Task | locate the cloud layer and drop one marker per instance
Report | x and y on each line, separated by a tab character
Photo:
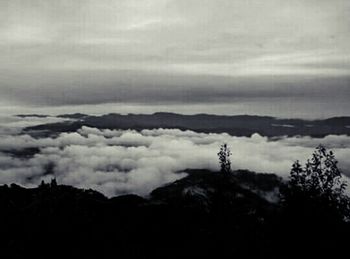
125	161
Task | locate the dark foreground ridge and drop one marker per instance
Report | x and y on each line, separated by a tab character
205	214
242	125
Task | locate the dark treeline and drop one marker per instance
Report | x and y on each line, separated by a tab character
236	214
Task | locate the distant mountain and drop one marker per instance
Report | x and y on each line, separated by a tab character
73	116
24	153
206	214
32	115
241	125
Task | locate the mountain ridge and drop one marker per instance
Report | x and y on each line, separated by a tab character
237	125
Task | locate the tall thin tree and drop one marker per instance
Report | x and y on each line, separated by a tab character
224	159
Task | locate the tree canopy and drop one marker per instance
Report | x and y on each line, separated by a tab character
318	184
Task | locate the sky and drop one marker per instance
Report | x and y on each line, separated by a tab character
272	57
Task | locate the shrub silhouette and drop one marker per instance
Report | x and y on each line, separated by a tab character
224	159
317	187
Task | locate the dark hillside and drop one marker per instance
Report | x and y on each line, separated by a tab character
206	214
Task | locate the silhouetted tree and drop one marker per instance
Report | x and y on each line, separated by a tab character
224	159
318	185
43	185
53	183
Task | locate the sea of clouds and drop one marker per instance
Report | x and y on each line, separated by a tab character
117	162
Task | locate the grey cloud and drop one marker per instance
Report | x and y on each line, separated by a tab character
98	87
87	52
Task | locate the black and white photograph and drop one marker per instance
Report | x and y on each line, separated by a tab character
174	129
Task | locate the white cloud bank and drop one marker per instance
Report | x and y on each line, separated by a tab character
126	161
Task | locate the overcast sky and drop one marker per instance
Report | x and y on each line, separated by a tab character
189	52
